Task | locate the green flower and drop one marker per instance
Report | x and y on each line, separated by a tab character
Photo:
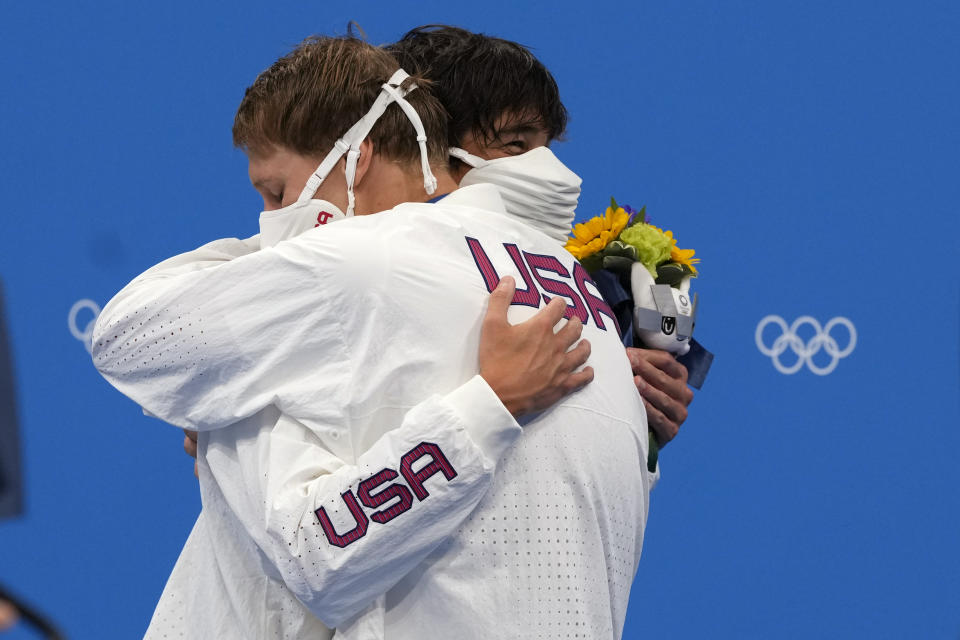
652	245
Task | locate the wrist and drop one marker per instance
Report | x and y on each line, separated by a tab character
513	403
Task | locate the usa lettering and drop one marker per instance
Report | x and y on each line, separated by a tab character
543	276
374	492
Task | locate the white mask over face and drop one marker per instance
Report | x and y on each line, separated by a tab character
290	221
535	186
307	212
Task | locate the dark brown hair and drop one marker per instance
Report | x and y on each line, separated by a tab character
479	78
310	97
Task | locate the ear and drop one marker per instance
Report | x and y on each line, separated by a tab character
364	162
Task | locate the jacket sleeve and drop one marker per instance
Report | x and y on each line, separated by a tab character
208	338
340	533
211	254
264	333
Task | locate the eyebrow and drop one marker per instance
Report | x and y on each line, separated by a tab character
528	127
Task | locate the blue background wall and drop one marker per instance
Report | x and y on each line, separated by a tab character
806	150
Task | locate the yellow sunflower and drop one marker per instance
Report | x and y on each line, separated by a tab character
680	256
596	233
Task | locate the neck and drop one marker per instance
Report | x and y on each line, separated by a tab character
386	184
445	182
413	190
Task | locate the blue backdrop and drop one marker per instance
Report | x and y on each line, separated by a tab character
806	150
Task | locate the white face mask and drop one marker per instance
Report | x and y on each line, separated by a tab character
290	221
307	213
535	186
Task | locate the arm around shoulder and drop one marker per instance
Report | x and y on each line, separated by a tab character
204	347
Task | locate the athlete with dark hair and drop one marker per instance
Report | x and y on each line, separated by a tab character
503	101
482	81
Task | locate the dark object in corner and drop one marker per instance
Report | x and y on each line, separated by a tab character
11	474
32	617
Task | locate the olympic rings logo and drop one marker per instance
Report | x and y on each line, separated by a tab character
822	339
84	335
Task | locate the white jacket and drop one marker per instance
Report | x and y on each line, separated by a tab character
337	486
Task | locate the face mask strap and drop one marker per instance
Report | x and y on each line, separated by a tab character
339	148
351	173
351	140
465	156
429	181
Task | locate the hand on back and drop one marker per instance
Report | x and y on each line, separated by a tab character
530	366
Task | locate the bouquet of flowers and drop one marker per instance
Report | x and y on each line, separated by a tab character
645	278
649	264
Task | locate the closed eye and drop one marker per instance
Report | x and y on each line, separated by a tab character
271	200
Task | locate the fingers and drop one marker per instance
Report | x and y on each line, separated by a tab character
532	365
651	375
500	299
190	445
577	357
570	332
664	429
578	380
672	410
664	391
659	359
552	313
671	367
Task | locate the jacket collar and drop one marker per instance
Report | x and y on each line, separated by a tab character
482	196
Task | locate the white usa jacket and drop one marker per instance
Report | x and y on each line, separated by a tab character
339	494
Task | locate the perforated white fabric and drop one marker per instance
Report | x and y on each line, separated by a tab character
327	369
